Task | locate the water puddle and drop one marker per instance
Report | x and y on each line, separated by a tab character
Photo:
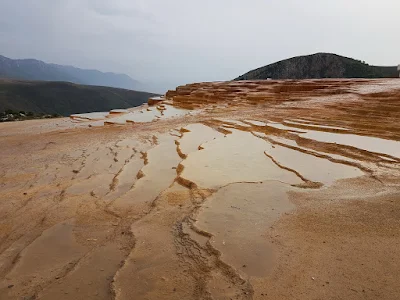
197	135
78	119
238	157
119	111
171	112
371	144
294	144
284	127
234	122
144	116
90	116
134	117
238	216
149	114
314	125
256	123
311	167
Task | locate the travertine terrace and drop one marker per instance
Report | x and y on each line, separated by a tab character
222	190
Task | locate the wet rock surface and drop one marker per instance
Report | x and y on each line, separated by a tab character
224	190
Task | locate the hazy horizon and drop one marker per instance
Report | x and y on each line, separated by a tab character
176	42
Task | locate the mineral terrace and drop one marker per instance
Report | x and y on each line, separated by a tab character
223	190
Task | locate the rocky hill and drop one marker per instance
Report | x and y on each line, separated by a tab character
319	65
65	98
32	69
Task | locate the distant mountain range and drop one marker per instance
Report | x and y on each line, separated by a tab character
65	98
32	69
320	65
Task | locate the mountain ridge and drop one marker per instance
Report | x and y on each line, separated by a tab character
319	65
33	69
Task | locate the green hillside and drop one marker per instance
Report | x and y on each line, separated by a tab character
65	98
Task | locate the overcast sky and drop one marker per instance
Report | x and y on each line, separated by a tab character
181	41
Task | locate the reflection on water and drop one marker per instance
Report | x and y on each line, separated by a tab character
372	144
144	115
311	167
238	157
237	216
197	135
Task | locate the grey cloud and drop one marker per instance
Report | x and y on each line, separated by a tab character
118	8
180	41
